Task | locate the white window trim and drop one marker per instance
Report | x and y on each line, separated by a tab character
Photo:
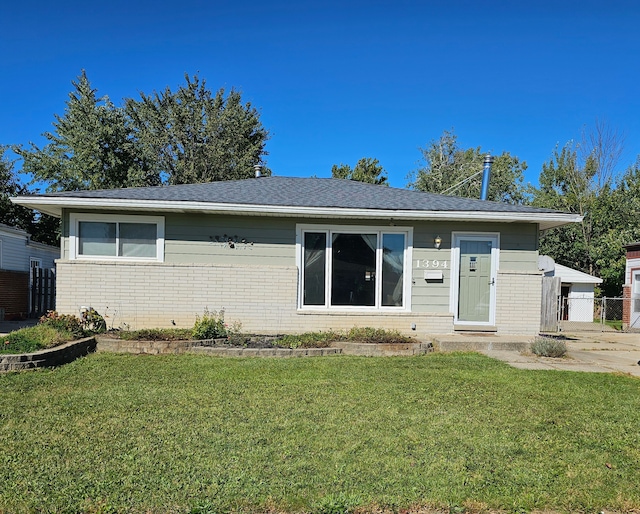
74	230
455	273
36	260
355	229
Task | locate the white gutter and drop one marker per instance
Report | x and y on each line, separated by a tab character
54	206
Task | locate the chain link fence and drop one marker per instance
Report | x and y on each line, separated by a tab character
592	314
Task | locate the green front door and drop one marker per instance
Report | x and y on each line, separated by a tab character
476	282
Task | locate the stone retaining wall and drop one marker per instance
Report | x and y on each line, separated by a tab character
51	357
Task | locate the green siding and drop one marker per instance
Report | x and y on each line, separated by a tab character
191	238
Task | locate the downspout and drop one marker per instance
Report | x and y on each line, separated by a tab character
486	176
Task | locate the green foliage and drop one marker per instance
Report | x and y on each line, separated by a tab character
64	322
376	335
355	334
156	334
192	135
446	168
309	339
93	322
548	347
31	339
210	326
366	170
583	178
41	227
91	147
186	136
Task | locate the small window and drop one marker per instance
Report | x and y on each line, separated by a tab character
116	237
636	283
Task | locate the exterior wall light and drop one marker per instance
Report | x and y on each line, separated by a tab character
437	242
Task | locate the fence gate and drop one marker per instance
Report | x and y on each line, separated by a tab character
549	312
42	297
604	314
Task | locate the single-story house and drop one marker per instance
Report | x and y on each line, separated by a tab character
282	254
631	288
577	292
19	256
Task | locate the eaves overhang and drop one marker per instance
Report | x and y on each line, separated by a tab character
54	206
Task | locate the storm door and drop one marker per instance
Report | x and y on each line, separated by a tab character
474	297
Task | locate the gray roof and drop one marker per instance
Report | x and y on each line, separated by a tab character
301	192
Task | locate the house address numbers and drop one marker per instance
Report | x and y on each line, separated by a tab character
432	264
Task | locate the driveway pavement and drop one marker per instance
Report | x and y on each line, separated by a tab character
10	326
599	352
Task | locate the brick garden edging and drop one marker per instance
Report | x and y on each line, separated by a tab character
208	347
68	352
50	357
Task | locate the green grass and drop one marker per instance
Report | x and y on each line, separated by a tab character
117	433
32	339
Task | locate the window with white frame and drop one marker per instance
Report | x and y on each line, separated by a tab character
354	267
115	237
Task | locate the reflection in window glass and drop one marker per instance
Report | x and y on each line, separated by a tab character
97	238
353	278
137	240
392	269
315	244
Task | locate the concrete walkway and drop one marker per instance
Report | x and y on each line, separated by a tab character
598	352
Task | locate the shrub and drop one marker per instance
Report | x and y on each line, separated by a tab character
548	347
309	340
93	322
376	335
156	334
209	326
64	322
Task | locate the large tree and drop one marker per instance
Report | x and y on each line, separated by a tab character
192	135
366	170
41	227
91	147
446	168
583	178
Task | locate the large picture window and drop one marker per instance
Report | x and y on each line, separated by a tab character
116	237
349	267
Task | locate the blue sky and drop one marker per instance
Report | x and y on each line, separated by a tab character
337	81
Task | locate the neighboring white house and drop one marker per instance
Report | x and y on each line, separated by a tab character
577	291
18	256
631	288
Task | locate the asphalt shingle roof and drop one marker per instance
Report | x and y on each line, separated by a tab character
303	192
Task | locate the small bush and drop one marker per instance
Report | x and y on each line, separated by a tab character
209	326
376	335
548	347
156	334
63	322
309	340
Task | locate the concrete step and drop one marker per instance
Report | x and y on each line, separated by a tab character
383	349
481	343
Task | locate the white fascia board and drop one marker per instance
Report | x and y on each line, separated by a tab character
54	206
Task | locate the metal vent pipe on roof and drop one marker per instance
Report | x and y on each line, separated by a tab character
258	168
486	176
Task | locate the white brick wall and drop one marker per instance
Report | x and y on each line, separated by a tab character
518	302
263	299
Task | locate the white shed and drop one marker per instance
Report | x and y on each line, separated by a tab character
577	291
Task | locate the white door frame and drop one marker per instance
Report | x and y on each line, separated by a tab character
456	237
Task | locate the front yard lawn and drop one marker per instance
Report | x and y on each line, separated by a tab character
122	433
